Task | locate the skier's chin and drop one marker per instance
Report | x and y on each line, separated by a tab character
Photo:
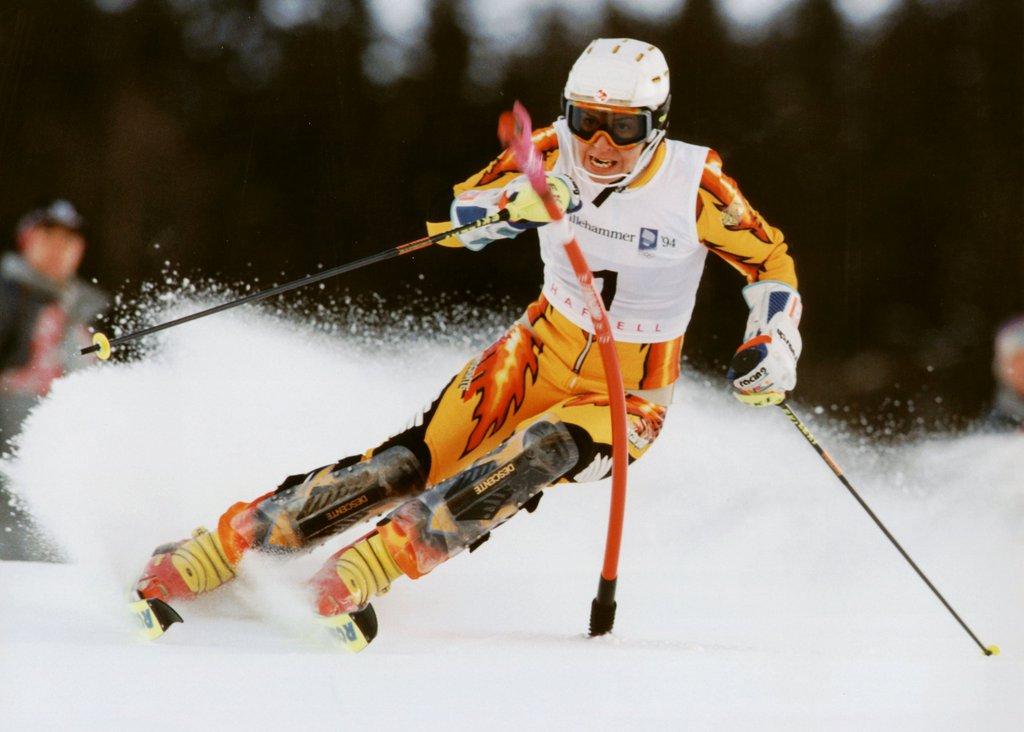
602	172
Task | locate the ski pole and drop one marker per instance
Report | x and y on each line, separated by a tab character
515	129
798	423
102	345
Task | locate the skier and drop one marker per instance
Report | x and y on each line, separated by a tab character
1008	367
533	409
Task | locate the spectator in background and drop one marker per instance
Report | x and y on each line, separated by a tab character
44	310
1008	366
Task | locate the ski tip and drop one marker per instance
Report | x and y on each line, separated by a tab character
366	619
992	651
354	631
154	616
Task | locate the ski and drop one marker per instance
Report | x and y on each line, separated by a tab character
154	616
353	631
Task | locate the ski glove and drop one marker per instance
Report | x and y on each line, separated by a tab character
526	209
764	367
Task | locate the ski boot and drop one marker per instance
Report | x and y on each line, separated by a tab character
184	569
344	586
353	575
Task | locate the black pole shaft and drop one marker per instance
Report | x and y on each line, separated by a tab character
842	478
307	280
255	297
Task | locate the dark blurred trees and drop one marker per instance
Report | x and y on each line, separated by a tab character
238	145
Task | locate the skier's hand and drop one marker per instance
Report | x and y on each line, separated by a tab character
764	367
525	208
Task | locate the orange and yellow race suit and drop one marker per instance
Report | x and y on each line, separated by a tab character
646	244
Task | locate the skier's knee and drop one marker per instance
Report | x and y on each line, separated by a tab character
644	422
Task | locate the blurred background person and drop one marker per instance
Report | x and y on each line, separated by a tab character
1008	366
44	313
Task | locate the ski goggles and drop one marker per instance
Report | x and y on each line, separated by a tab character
624	125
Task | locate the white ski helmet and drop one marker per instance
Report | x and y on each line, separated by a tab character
621	72
617	73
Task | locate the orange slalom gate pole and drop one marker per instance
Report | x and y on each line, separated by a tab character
515	129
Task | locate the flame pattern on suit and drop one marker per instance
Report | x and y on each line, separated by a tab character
650	417
730	227
737	215
499	381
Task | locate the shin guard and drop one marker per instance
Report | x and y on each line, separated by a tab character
461	511
307	509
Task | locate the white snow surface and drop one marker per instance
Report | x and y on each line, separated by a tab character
753	594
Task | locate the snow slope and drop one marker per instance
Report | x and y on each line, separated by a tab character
754	592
